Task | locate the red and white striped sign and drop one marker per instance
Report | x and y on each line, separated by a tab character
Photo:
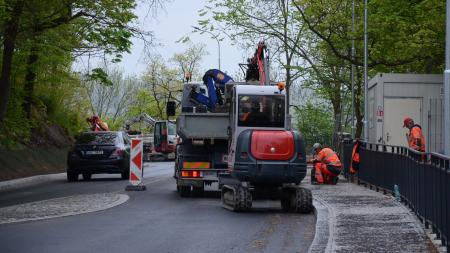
136	171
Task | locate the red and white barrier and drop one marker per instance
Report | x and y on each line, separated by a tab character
136	170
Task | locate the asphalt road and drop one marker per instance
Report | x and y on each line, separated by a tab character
156	220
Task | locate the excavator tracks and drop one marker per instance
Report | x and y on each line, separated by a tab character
236	198
297	200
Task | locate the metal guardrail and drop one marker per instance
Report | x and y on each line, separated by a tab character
422	180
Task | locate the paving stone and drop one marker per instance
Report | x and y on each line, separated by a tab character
362	220
59	207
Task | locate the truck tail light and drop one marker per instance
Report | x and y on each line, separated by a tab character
191	173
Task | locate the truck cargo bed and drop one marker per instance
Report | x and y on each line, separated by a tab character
203	125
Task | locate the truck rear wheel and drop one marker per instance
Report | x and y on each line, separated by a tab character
198	191
184	191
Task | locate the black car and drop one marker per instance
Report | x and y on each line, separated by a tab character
99	152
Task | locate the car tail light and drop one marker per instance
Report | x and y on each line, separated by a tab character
118	153
191	173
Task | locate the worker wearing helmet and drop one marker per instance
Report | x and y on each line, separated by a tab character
327	165
415	137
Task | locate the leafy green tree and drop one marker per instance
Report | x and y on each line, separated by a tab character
164	84
189	60
111	101
247	22
402	37
315	124
99	26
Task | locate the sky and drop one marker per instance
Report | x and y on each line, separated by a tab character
172	23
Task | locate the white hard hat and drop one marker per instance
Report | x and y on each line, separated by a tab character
316	146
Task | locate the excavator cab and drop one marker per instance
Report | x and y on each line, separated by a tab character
164	134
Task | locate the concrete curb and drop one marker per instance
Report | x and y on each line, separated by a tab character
60	207
29	181
323	237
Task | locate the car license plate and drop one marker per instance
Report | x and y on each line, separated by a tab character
94	152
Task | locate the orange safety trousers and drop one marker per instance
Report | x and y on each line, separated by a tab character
322	174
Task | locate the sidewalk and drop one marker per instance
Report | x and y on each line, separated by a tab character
351	218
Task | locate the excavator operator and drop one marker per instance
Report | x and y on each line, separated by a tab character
327	165
215	80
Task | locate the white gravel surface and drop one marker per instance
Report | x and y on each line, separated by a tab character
362	220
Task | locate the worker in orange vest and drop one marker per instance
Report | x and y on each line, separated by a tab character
97	124
327	165
415	137
354	164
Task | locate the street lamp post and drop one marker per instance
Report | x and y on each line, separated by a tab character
446	127
366	85
213	36
353	69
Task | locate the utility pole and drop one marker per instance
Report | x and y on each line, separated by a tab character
214	36
353	69
366	102
446	127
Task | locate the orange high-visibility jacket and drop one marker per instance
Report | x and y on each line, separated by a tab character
355	153
354	163
329	157
416	140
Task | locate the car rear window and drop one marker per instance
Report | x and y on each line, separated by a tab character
97	138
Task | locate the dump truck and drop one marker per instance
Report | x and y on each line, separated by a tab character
201	153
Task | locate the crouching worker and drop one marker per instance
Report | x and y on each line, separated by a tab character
327	165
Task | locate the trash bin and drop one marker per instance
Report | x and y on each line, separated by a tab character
346	156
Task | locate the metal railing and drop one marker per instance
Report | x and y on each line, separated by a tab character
421	179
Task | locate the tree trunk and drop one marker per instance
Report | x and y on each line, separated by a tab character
337	112
30	79
9	42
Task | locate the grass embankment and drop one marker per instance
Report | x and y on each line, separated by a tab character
44	153
32	161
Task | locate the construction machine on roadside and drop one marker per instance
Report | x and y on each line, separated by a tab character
246	144
161	144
